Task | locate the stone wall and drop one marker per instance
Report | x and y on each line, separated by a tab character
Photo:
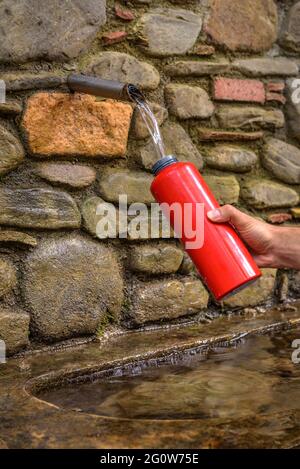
220	76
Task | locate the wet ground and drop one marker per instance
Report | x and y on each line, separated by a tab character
230	383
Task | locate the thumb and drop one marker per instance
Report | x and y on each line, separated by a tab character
230	214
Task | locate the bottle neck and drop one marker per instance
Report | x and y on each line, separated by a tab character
163	163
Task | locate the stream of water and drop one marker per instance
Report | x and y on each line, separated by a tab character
149	120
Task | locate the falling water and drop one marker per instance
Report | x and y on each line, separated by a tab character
149	119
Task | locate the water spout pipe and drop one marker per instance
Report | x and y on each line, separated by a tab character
104	88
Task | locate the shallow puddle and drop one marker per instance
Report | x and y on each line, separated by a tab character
255	379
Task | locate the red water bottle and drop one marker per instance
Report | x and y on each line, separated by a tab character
223	261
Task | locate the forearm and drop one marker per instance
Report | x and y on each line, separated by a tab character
286	248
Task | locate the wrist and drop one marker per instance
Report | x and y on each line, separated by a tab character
283	247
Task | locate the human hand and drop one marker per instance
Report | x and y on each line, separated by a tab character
258	235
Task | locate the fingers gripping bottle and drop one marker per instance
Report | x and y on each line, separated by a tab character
223	261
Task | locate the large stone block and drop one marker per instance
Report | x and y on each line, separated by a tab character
282	160
70	285
197	68
99	219
214	135
231	158
250	117
8	276
66	174
188	102
260	193
12	107
61	124
160	258
14	329
163	32
293	107
124	68
134	184
20	80
225	188
290	35
255	294
56	30
266	66
250	25
11	151
38	208
17	238
166	300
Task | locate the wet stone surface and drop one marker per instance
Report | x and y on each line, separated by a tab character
255	294
162	258
167	299
26	417
70	284
214	135
27	80
234	383
14	329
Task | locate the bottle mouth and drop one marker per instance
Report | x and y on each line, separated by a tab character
163	163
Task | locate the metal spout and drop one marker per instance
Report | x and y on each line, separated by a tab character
104	88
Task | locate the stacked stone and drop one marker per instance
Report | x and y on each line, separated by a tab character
223	81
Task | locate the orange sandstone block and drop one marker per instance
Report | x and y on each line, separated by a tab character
62	124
